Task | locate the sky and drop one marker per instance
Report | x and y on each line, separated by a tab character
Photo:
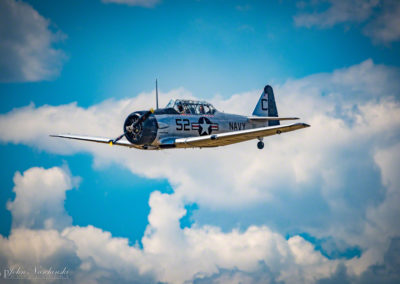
314	206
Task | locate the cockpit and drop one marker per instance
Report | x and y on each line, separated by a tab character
191	107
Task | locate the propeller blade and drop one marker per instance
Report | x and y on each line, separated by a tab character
117	139
143	117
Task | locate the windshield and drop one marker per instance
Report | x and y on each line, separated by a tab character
191	107
171	103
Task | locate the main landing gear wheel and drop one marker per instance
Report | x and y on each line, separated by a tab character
260	145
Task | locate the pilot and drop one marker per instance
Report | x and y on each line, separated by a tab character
201	109
180	107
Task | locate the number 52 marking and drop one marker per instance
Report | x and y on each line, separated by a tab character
182	124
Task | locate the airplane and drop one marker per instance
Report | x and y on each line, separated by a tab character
197	124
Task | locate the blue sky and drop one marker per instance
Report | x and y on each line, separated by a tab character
208	46
82	66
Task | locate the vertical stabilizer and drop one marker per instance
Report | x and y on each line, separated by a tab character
266	106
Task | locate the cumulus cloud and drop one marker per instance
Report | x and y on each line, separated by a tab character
142	3
381	17
169	253
27	51
346	160
39	202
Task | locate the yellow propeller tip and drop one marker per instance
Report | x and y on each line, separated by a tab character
111	143
152	110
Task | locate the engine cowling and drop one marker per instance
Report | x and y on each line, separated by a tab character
142	133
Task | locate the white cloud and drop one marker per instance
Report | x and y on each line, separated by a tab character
169	253
386	27
383	219
108	256
203	251
26	51
39	201
338	12
381	17
27	248
355	118
142	3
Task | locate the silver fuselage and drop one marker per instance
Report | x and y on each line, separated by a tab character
172	126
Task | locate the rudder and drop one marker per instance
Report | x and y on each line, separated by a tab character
266	106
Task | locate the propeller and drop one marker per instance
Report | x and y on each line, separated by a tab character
132	127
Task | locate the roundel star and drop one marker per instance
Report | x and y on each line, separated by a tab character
205	126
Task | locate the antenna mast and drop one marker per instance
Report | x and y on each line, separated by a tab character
156	94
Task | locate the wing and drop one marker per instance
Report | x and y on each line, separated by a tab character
94	139
267	118
227	138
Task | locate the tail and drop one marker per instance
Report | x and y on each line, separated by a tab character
266	106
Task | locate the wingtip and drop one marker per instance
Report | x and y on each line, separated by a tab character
306	125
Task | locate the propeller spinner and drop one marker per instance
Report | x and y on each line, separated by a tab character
135	128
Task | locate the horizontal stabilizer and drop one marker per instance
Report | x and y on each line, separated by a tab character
267	118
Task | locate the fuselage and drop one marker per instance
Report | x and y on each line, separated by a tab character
167	123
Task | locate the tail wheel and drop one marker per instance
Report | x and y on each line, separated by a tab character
260	145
